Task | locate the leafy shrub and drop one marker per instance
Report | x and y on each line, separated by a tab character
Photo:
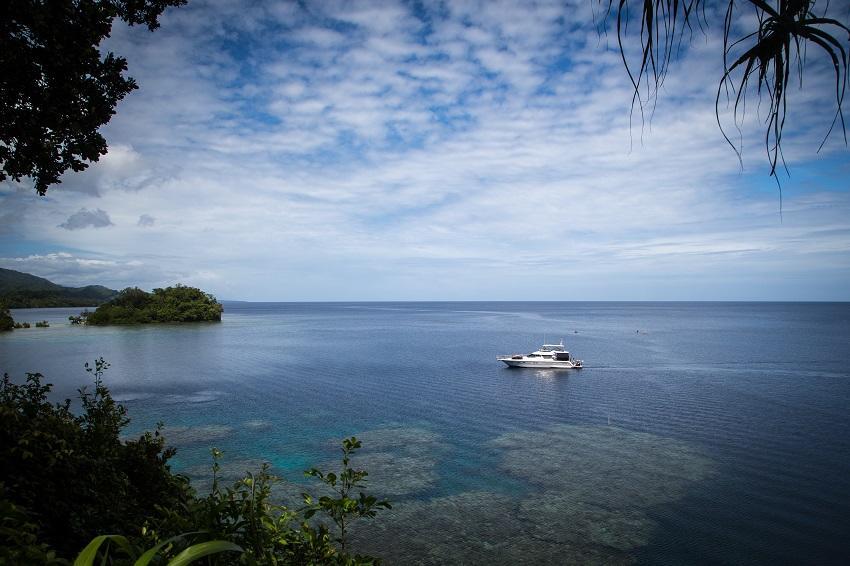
343	508
6	320
72	475
81	318
19	537
268	533
99	548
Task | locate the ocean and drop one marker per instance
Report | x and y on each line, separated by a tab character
696	433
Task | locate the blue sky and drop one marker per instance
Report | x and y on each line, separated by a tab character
433	151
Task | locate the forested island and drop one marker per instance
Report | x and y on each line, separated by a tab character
172	304
20	290
179	303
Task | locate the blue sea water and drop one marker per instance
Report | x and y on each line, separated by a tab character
697	433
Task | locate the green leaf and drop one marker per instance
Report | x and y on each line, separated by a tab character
89	553
149	554
203	549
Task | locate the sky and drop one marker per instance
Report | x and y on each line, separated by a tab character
347	151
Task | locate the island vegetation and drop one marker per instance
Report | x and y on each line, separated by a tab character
39	324
6	320
20	290
70	487
8	323
172	304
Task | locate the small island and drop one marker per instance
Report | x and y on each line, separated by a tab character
172	304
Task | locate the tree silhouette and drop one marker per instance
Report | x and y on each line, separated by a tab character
56	89
766	54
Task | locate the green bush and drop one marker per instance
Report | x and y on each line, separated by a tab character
81	318
71	473
243	519
6	321
19	542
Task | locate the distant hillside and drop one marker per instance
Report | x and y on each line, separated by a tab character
22	290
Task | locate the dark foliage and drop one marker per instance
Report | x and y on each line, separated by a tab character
24	291
19	542
71	475
172	304
779	41
81	318
50	299
67	479
268	533
56	89
6	321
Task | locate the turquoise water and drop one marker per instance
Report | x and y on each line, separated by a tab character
697	433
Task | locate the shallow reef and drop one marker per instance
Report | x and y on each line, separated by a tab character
401	461
406	438
591	491
259	425
469	528
605	466
183	435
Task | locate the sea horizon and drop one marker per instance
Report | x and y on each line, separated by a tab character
731	301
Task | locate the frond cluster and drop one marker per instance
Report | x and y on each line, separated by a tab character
770	55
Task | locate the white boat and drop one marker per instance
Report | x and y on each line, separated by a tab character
548	356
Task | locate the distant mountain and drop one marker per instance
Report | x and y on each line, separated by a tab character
22	290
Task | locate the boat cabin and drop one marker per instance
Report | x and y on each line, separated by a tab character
549	351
